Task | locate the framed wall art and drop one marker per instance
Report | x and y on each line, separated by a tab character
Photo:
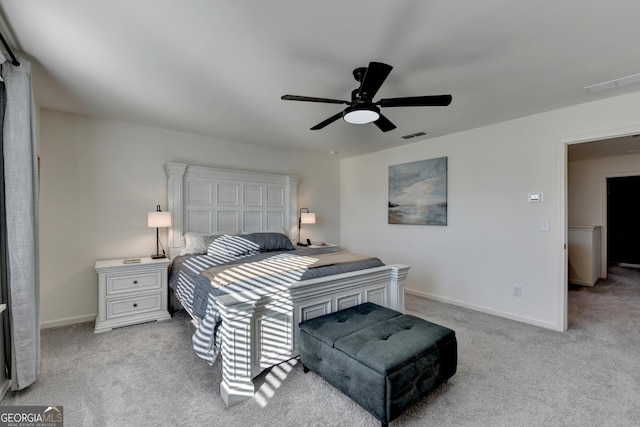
418	192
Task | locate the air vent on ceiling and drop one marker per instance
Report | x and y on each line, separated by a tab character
613	84
413	135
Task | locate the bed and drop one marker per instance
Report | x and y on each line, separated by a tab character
230	229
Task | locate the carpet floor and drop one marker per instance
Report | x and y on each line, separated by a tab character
509	373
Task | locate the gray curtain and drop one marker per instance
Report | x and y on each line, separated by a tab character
19	243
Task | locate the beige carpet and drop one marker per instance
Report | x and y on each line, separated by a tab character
509	374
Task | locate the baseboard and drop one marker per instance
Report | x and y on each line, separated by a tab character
510	316
628	265
67	321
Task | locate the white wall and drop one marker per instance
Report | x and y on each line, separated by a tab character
99	178
587	192
493	239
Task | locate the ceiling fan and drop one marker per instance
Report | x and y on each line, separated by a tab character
361	109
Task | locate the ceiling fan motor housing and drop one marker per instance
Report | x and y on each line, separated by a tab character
359	73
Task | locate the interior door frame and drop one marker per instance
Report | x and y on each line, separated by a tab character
562	169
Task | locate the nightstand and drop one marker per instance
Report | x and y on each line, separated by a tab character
131	293
330	247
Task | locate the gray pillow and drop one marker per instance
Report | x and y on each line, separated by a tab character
270	241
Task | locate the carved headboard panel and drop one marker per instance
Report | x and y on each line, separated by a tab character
215	201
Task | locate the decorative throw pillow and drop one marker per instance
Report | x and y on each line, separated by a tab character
232	246
217	247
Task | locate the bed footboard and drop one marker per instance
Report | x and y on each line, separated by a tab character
260	329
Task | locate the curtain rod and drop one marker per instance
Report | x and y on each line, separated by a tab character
14	60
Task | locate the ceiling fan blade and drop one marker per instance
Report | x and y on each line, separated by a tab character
312	99
328	121
384	124
376	74
417	101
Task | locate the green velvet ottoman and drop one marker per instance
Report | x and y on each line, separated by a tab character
384	360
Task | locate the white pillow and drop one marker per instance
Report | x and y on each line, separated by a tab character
192	243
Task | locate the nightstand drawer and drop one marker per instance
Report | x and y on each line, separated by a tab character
117	307
119	283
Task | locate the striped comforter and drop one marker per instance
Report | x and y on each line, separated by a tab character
198	297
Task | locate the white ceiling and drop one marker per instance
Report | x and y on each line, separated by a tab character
218	68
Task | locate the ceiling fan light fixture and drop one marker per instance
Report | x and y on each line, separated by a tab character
361	114
362	109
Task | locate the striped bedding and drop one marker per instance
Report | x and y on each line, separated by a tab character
197	295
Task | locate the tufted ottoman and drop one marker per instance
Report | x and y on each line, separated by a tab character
382	359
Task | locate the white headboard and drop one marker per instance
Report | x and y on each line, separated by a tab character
215	201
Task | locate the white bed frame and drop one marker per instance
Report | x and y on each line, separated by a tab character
260	328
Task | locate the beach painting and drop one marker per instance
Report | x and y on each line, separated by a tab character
418	192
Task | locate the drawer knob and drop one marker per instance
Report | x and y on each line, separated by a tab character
135	304
135	282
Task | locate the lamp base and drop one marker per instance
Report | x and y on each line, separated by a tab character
158	256
305	244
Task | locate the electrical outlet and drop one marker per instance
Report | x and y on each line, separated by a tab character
517	291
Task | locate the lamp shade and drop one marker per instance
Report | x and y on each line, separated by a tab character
159	219
308	218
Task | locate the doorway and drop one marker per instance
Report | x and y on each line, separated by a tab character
592	209
623	225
